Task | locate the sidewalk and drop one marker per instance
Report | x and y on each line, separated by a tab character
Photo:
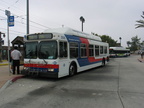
141	60
7	78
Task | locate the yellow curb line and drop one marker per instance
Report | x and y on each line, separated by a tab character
3	64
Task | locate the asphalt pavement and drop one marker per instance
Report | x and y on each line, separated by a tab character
7	78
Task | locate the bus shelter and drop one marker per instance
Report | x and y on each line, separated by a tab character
18	41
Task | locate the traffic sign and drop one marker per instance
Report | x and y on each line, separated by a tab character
11	21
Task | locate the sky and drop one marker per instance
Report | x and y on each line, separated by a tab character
115	18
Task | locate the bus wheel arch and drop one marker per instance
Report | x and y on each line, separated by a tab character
72	68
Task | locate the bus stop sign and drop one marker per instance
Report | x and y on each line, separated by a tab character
11	21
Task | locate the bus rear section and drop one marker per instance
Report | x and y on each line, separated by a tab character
119	52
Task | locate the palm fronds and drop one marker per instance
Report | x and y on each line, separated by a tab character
141	23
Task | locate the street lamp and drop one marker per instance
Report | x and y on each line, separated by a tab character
82	20
120	40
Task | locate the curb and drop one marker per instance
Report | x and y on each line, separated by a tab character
3	64
9	82
142	61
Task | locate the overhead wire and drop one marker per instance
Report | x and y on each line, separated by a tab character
22	18
12	30
33	24
22	11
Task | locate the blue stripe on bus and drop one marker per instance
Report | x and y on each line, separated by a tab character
34	69
71	38
85	62
81	61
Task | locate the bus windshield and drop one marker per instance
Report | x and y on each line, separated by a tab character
31	50
47	50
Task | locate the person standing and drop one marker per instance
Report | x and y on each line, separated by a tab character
15	54
142	54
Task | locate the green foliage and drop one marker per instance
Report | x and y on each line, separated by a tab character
108	39
140	23
134	44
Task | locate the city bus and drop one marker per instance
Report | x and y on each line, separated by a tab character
119	52
63	52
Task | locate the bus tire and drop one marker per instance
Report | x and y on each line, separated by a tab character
72	69
103	62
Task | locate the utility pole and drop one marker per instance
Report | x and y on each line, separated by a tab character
7	13
27	17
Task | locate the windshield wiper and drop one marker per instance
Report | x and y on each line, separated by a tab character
45	61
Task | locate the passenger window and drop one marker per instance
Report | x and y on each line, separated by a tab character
105	49
91	50
101	49
63	49
96	50
73	50
83	50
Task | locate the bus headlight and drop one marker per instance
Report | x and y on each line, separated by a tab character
26	68
51	70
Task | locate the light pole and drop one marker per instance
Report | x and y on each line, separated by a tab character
7	13
27	17
82	20
120	40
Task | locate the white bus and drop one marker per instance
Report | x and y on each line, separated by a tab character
119	52
61	52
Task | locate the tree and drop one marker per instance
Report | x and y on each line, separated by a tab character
135	43
140	23
108	39
128	43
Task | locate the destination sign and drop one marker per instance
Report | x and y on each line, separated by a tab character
40	36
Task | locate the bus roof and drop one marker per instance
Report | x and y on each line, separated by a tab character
69	31
119	48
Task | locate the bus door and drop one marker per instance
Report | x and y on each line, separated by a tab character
63	59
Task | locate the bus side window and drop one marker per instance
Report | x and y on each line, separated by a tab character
105	49
83	50
62	49
101	50
73	50
91	50
96	50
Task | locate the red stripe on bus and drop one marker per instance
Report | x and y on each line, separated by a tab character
42	66
92	59
83	40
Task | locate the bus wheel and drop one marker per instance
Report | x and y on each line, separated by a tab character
72	70
103	62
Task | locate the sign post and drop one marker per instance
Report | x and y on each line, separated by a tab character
10	23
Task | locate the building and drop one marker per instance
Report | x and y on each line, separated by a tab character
18	41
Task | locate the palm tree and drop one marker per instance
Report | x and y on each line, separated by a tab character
141	23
